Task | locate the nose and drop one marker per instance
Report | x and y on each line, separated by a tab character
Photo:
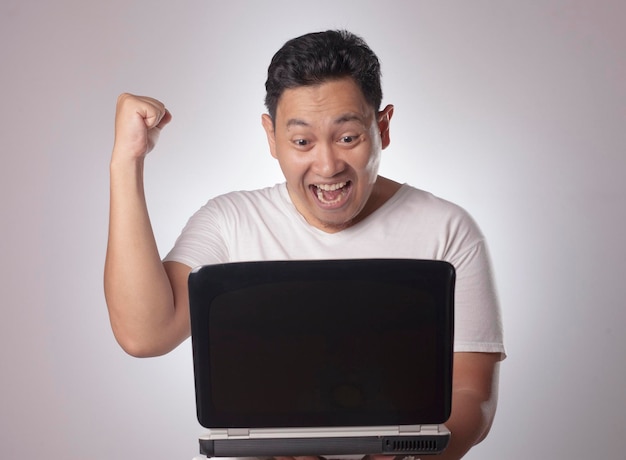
328	162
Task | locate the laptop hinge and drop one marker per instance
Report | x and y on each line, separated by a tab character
238	432
410	428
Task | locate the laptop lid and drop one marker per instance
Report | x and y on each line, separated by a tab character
346	351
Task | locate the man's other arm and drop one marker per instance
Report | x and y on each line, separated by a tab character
474	401
147	301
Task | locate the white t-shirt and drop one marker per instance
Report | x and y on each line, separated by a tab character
265	225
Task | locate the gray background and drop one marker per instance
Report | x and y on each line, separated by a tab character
515	110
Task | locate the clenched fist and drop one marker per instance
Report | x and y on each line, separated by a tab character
138	122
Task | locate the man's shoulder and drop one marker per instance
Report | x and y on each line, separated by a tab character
270	194
409	195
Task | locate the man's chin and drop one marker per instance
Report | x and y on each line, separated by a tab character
332	224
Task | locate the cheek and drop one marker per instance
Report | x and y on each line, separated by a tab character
372	161
371	152
291	165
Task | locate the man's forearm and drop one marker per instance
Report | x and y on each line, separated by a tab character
474	401
138	292
469	423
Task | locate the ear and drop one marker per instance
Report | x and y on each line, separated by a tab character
384	118
268	126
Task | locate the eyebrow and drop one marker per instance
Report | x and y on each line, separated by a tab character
296	122
345	118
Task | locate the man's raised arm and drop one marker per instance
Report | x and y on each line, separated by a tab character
147	303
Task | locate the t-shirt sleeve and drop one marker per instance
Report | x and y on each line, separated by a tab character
478	322
201	241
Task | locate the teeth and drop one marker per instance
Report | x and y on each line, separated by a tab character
321	188
331	187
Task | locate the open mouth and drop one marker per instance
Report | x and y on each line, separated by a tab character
331	194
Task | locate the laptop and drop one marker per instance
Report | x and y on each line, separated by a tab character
323	357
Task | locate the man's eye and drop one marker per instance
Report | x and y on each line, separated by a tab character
347	139
301	142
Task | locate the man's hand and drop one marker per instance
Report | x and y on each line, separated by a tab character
138	122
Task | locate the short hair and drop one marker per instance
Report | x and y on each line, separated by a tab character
318	57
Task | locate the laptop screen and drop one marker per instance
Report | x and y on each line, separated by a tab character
322	343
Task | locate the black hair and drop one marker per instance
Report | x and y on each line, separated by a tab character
318	57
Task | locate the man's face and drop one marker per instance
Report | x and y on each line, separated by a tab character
327	140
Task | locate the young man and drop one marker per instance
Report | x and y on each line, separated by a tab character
327	130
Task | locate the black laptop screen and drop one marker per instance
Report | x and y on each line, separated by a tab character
309	347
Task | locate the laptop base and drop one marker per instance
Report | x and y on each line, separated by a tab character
432	442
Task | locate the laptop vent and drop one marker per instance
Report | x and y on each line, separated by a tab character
412	445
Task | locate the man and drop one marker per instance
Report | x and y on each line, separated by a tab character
327	130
